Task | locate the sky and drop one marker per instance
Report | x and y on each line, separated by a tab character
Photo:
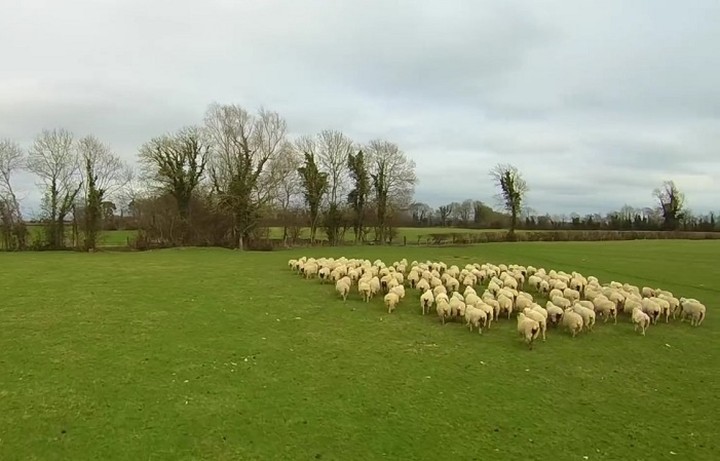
596	102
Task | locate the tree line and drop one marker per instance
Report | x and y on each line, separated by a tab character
227	180
215	183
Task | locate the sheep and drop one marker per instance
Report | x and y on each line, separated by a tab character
439	289
489	312
468	290
442	297
457	308
523	302
573	321
443	310
528	328
535	281
673	301
694	309
606	308
457	295
647	292
475	317
505	304
538	317
413	278
426	301
391	300
398	290
493	287
587	304
555	293
561	302
651	308
571	295
588	315
544	287
664	307
471	298
375	285
495	306
365	290
539	309
343	288
555	313
640	319
422	285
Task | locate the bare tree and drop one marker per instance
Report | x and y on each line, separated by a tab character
393	179
176	165
12	159
102	177
53	158
333	152
466	211
334	149
285	166
244	147
513	189
444	212
671	202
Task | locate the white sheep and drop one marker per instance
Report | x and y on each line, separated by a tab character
391	300
555	313
651	308
443	310
343	288
527	328
573	321
588	315
561	302
365	290
505	304
640	319
426	301
694	309
571	295
398	290
475	317
538	317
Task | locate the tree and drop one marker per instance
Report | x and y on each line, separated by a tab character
53	158
314	184
421	213
513	189
12	159
333	151
286	166
176	164
671	202
103	175
444	214
393	181
244	148
357	198
465	210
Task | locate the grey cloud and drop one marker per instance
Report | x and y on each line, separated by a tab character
595	103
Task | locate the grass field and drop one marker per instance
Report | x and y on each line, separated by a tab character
215	354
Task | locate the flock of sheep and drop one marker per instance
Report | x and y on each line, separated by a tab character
574	301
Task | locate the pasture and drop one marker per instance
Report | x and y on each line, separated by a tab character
216	354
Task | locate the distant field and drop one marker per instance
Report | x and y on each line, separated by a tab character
218	354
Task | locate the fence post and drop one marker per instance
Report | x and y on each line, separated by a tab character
404	240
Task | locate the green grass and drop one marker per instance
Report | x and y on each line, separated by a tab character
215	354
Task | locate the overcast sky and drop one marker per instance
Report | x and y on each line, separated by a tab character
596	102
